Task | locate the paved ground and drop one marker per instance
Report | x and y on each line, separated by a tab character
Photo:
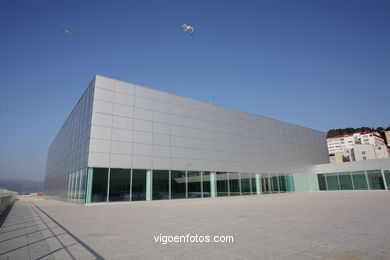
323	225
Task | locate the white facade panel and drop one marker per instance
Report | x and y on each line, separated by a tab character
119	147
124	99
100	119
123	122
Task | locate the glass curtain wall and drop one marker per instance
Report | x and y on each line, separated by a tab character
387	177
355	180
99	185
234	184
194	184
160	185
322	181
178	184
375	180
290	183
359	180
345	180
265	182
253	183
222	184
275	184
245	184
83	185
333	181
206	184
138	185
119	185
282	184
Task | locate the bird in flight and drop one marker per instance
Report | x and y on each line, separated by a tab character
66	31
188	28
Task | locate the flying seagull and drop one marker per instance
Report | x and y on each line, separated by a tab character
66	31
188	28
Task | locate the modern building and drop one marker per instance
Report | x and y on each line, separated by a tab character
124	142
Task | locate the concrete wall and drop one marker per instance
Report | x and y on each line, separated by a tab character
138	127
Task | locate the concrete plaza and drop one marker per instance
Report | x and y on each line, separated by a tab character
318	225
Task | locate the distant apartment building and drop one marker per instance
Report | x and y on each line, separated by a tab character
387	138
362	152
344	143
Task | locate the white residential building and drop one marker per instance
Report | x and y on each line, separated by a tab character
343	143
362	152
387	134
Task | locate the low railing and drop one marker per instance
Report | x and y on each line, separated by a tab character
6	199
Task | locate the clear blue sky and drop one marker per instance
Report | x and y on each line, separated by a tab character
321	64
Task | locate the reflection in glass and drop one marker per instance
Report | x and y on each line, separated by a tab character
333	182
265	185
290	183
76	186
206	184
119	184
234	184
83	184
359	180
138	185
375	180
275	183
321	181
387	177
194	184
245	184
282	183
69	185
99	185
178	184
222	184
160	185
345	180
253	181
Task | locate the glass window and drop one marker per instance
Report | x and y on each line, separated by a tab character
253	181
206	184
77	186
160	184
290	183
194	184
119	185
178	184
282	183
138	185
265	185
345	180
83	184
222	184
72	185
234	184
99	185
275	183
245	184
375	180
359	180
387	177
321	181
332	180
